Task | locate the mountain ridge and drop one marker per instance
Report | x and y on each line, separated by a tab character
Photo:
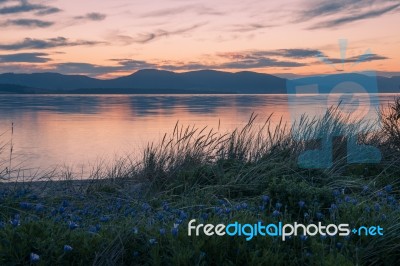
162	81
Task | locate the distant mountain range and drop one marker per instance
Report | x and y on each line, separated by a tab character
159	81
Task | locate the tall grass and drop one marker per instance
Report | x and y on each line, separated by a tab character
249	153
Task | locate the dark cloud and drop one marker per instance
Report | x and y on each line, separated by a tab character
47	11
29	43
239	64
82	68
284	58
344	11
24	6
250	27
188	66
92	16
198	9
31	23
19	67
24	58
125	65
260	63
147	37
289	53
285	53
351	18
319	8
355	59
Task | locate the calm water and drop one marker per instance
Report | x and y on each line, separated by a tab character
77	130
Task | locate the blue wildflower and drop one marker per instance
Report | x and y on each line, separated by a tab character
165	206
135	254
146	207
25	205
339	245
333	208
347	199
182	215
174	231
388	188
72	225
301	204
128	211
391	199
15	221
152	241
34	257
303	238
65	203
265	198
278	205
336	192
162	231
238	207
61	210
319	215
244	205
39	207
306	215
275	213
219	211
204	216
67	248
94	228
160	216
104	219
77	219
377	207
261	207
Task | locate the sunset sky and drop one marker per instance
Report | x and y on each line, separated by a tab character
106	39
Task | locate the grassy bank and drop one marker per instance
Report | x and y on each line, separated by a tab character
136	212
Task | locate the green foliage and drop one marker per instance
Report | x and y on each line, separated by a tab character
136	212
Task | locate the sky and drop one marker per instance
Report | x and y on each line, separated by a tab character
107	39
